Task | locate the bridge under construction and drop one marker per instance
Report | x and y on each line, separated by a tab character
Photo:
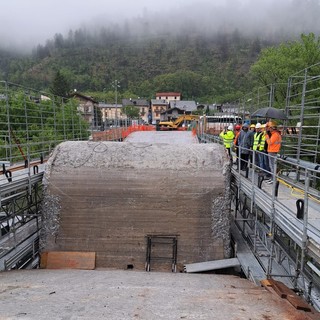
222	214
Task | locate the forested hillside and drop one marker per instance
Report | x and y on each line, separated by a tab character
204	50
203	68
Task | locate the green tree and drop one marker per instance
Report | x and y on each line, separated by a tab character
131	112
60	85
277	64
34	126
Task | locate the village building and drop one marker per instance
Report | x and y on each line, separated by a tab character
87	106
144	108
111	112
178	108
169	96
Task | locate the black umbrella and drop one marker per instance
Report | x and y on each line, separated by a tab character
269	112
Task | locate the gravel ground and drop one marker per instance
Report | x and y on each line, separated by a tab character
116	294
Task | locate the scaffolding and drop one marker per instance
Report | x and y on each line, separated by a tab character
280	222
299	98
303	108
32	123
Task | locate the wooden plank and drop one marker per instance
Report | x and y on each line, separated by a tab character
281	289
290	295
43	260
69	260
298	303
266	283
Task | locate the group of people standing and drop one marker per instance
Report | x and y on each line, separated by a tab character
264	140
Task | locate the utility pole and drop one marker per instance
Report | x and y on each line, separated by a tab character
116	85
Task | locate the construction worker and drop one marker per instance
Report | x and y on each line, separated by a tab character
256	143
227	135
263	148
252	131
237	129
245	142
252	127
274	145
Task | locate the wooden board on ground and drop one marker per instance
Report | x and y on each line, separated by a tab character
284	292
68	260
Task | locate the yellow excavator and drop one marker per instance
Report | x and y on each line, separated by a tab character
181	123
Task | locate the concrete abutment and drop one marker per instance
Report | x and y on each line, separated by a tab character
108	197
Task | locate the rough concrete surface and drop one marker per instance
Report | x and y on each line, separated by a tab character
122	295
107	197
171	137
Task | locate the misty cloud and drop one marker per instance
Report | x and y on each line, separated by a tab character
28	23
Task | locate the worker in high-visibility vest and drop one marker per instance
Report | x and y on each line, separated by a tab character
263	156
237	129
227	135
257	137
274	145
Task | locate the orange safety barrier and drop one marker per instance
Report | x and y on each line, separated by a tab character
135	128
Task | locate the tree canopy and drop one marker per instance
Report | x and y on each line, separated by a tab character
60	85
131	112
277	63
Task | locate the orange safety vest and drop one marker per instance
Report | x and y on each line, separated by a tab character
274	142
236	138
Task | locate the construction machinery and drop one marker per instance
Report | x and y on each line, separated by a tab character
182	123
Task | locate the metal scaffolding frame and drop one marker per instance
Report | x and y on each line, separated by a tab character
283	236
20	220
302	108
282	232
278	221
277	232
299	98
32	123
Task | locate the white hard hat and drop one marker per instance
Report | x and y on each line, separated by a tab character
230	128
258	125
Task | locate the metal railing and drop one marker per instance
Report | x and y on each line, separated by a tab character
299	98
283	217
20	216
32	123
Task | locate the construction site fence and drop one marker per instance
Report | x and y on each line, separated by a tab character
32	123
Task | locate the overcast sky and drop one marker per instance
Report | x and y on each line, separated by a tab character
38	20
32	22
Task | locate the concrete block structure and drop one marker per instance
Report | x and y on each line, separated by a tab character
154	206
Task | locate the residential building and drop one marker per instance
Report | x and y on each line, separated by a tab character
87	106
111	112
157	107
143	105
168	96
177	108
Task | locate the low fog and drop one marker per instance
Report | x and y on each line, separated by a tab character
25	24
